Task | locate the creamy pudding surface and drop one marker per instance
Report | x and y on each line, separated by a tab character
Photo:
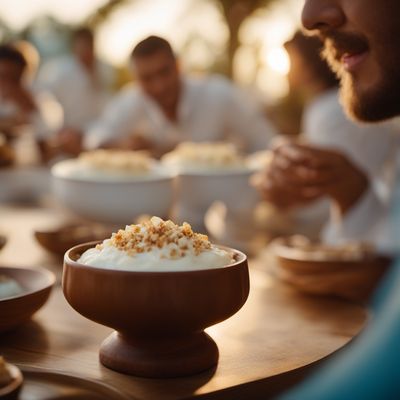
205	156
109	165
157	245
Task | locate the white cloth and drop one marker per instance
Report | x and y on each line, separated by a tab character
42	122
373	147
209	109
81	95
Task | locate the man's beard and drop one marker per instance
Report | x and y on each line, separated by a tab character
373	105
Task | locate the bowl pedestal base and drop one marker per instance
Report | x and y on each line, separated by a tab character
159	357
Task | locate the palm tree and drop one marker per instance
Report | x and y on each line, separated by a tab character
101	14
235	12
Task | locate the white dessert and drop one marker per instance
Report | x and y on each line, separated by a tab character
9	287
106	165
5	374
157	245
205	157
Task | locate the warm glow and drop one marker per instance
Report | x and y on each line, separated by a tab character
278	60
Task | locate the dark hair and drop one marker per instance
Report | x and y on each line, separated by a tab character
310	47
11	54
82	32
151	45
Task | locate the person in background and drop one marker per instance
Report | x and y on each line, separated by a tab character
167	107
20	107
346	157
80	82
361	41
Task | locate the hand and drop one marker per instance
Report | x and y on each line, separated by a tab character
299	174
69	141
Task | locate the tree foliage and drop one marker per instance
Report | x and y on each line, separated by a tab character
235	12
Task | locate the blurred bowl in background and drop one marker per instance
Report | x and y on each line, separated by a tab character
196	192
159	317
59	240
35	290
351	271
111	199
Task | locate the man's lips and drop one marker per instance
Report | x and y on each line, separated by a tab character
351	61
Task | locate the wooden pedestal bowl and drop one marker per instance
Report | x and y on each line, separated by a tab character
159	317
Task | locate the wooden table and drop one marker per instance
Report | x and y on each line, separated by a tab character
271	343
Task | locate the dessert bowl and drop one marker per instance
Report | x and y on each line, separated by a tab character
159	317
350	271
113	199
35	290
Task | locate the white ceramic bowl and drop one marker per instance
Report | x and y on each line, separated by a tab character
197	191
116	200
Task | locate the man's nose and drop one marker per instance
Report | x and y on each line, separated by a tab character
322	15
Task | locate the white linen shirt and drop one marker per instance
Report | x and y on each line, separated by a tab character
210	109
374	148
82	96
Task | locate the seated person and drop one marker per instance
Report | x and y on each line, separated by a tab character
19	107
335	157
168	107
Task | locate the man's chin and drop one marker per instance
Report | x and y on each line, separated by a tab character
371	105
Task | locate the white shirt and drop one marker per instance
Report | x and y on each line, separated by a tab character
210	109
81	95
373	147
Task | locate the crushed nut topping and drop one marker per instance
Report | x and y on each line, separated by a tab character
157	233
207	153
117	160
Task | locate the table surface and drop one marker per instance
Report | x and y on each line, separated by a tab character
272	342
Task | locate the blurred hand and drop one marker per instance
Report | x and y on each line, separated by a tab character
69	141
299	174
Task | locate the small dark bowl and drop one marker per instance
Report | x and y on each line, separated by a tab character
58	241
12	389
159	317
36	285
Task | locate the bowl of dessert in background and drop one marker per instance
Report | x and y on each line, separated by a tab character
10	380
113	186
350	270
58	240
159	285
209	172
23	291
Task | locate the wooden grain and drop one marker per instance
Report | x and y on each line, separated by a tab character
265	347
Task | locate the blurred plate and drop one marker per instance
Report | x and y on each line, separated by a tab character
41	384
59	240
36	286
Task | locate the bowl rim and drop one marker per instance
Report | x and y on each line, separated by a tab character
50	277
69	261
164	176
16	382
217	173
